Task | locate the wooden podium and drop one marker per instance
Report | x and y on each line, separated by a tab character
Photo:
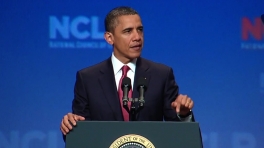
139	134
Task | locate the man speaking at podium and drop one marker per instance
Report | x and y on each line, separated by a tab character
98	93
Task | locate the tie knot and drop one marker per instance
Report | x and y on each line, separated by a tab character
125	69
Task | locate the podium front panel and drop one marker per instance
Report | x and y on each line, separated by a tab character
100	134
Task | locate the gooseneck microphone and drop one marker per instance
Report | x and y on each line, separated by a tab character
141	87
126	86
262	18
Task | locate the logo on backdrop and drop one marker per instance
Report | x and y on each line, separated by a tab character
132	140
28	139
252	33
76	32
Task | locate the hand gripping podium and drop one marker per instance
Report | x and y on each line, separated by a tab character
140	134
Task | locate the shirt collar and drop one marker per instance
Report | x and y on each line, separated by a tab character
118	64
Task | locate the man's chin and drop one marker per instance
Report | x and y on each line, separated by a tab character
134	55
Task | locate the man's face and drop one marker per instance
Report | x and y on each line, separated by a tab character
127	38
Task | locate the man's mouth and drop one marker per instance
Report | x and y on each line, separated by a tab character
136	47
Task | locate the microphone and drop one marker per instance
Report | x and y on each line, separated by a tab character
262	18
126	86
142	87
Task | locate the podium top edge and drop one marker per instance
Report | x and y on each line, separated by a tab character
138	122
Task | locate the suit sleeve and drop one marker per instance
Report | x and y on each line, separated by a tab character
80	103
171	91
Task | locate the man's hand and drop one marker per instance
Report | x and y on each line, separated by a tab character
69	120
182	104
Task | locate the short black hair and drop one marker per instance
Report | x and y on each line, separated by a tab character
111	18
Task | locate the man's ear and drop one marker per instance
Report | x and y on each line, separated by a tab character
109	37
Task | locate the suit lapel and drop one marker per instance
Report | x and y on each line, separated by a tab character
107	82
142	67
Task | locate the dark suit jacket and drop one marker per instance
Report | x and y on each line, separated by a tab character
96	96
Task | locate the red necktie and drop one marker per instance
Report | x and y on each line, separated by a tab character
125	69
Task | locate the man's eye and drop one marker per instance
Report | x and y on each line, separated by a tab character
127	31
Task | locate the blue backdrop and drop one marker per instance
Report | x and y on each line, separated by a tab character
215	48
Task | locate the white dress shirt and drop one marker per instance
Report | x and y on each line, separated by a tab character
117	65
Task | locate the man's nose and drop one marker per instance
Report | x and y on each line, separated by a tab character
137	35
